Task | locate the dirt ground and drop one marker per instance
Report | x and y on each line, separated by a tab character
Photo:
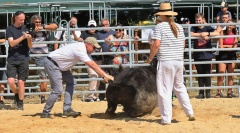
212	116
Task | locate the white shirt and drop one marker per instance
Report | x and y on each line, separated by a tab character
59	33
68	56
171	48
150	41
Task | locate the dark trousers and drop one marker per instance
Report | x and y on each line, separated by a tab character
204	81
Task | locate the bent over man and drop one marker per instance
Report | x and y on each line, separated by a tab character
58	65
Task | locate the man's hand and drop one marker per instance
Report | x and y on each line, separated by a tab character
148	61
26	35
80	39
108	77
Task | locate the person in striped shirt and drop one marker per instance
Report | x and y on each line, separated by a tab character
169	41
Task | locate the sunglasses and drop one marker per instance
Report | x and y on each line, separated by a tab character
18	13
37	22
118	30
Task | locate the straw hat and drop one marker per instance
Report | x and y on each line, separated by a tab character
165	9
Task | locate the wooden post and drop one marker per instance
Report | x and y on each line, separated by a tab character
136	47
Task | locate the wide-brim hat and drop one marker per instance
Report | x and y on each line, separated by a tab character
165	9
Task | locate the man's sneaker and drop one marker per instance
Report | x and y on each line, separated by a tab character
1	102
70	113
46	116
191	117
200	96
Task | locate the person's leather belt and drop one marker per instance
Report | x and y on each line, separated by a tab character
49	58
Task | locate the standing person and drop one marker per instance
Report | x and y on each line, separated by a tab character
41	48
204	42
225	18
230	42
169	45
224	9
103	34
18	56
157	21
62	35
2	65
58	65
93	84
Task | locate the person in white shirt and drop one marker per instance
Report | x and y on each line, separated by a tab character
168	43
58	65
62	35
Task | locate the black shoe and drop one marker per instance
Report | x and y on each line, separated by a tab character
1	102
46	116
20	106
70	112
43	100
200	96
208	95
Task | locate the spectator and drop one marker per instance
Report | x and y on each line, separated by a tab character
185	30
224	19
41	48
62	35
204	42
103	34
121	46
2	65
230	42
94	84
169	45
18	56
58	65
158	20
224	9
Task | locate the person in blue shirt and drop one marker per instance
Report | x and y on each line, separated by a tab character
224	9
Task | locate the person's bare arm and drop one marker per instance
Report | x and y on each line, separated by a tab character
55	45
76	38
29	41
99	71
2	40
15	42
108	40
51	26
153	50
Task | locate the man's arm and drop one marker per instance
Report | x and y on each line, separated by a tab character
2	40
51	26
99	71
15	42
29	41
76	38
153	50
55	46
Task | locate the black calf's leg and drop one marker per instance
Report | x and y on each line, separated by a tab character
111	108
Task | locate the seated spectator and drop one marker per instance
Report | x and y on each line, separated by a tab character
230	42
121	46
